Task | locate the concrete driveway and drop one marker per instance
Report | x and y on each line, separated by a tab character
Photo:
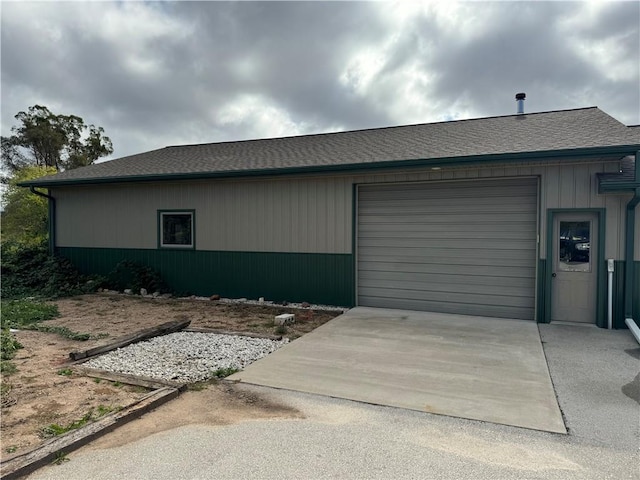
477	368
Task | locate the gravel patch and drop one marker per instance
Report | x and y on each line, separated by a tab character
186	356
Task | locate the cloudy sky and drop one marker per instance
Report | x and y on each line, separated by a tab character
166	73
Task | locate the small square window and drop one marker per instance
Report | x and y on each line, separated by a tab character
176	229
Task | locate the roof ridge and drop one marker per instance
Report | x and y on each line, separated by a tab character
373	128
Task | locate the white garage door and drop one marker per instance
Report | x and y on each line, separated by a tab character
455	247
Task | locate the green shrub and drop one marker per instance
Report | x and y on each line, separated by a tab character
29	270
129	274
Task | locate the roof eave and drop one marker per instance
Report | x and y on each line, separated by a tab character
502	157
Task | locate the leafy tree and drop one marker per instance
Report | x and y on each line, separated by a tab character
45	139
24	218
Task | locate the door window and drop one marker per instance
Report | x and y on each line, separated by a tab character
574	247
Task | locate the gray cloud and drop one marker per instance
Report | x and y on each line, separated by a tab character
154	74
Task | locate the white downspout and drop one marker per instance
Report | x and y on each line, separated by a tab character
610	293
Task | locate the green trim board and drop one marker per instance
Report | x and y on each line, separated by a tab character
321	278
636	293
541	291
354	241
383	165
193	229
601	305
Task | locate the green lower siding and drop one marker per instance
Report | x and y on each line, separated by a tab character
618	294
312	277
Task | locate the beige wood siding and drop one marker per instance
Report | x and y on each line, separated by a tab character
303	215
299	214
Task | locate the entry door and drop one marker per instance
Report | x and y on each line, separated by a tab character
575	265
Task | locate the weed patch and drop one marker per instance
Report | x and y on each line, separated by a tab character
61	457
7	367
280	330
8	348
5	394
20	313
199	386
225	372
28	314
62	331
53	430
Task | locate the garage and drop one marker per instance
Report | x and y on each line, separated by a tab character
465	247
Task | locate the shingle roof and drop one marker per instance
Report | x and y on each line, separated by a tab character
513	134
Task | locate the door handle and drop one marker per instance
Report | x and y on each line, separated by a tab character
553	275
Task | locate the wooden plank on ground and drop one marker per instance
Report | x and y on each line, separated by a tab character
164	329
28	462
138	380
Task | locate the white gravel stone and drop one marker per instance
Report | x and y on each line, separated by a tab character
186	356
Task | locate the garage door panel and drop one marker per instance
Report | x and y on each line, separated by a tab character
448	297
445	218
477	270
462	244
461	309
522	261
438	201
445	209
384	278
370	229
457	247
478	288
444	255
444	234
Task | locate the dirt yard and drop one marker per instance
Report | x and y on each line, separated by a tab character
46	390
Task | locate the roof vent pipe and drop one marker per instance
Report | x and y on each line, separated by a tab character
520	101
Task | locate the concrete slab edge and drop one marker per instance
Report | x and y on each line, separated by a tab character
562	432
28	462
553	386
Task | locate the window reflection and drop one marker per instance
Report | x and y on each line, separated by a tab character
575	246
